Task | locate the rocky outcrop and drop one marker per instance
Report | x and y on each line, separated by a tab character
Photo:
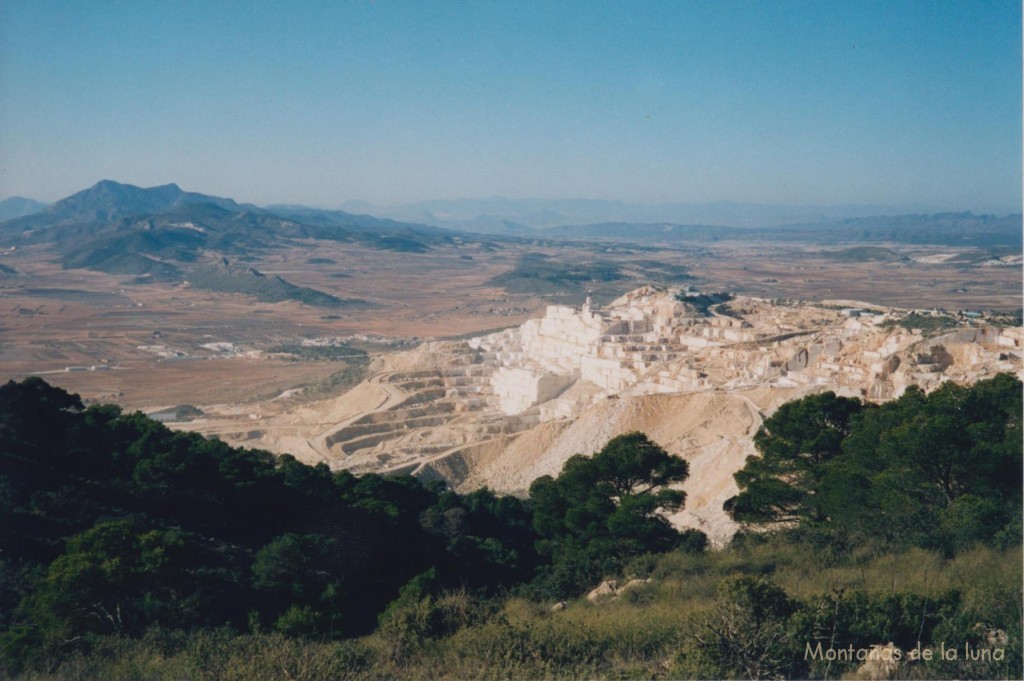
612	589
883	662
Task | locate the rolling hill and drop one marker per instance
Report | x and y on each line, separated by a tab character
226	277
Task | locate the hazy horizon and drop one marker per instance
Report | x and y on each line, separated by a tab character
600	209
390	103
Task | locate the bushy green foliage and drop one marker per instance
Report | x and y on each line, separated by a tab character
772	588
703	302
271	289
747	633
602	510
926	323
488	539
538	274
343	351
341	380
780	486
293	576
940	471
423	613
111	523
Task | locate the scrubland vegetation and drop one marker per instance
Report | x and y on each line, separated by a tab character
538	274
131	551
925	323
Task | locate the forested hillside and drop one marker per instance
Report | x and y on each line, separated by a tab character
129	550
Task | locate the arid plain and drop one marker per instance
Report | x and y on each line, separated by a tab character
55	319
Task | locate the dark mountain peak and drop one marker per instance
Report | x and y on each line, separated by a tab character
111	188
115	185
109	201
124	229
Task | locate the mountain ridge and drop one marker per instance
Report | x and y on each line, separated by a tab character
113	206
948	229
108	200
545	213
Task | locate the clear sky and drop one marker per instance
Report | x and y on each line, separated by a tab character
320	102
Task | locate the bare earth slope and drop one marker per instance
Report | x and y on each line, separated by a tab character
712	431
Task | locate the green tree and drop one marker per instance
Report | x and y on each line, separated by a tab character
794	444
488	540
604	509
941	470
120	577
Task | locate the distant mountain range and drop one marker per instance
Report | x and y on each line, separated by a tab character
945	229
108	201
111	206
501	215
669	222
167	234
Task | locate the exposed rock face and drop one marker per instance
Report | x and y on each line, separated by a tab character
611	589
883	661
502	410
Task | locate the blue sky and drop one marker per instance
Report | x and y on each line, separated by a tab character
814	102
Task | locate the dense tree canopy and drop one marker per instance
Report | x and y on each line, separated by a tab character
779	486
941	470
111	523
604	509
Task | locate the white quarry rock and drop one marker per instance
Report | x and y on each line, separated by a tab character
520	388
567	364
647	342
